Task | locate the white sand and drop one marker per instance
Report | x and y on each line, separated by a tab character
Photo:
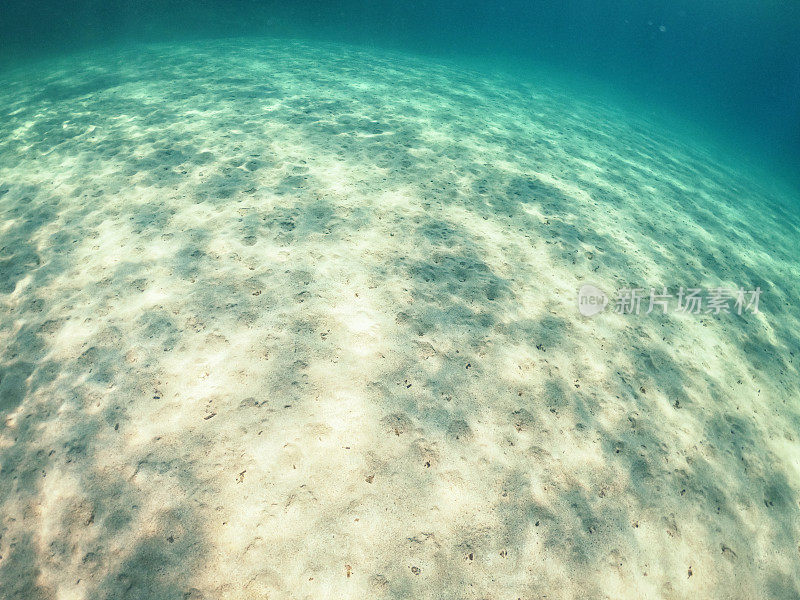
292	321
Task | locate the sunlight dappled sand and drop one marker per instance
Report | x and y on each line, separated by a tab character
299	321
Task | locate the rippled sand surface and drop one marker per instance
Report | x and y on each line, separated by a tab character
283	320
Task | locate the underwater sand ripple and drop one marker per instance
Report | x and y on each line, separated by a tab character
299	320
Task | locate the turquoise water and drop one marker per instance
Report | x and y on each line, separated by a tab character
733	67
369	301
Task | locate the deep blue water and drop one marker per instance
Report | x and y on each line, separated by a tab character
733	66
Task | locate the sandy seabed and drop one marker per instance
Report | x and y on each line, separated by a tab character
287	320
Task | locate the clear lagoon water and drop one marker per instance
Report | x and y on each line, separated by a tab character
439	300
